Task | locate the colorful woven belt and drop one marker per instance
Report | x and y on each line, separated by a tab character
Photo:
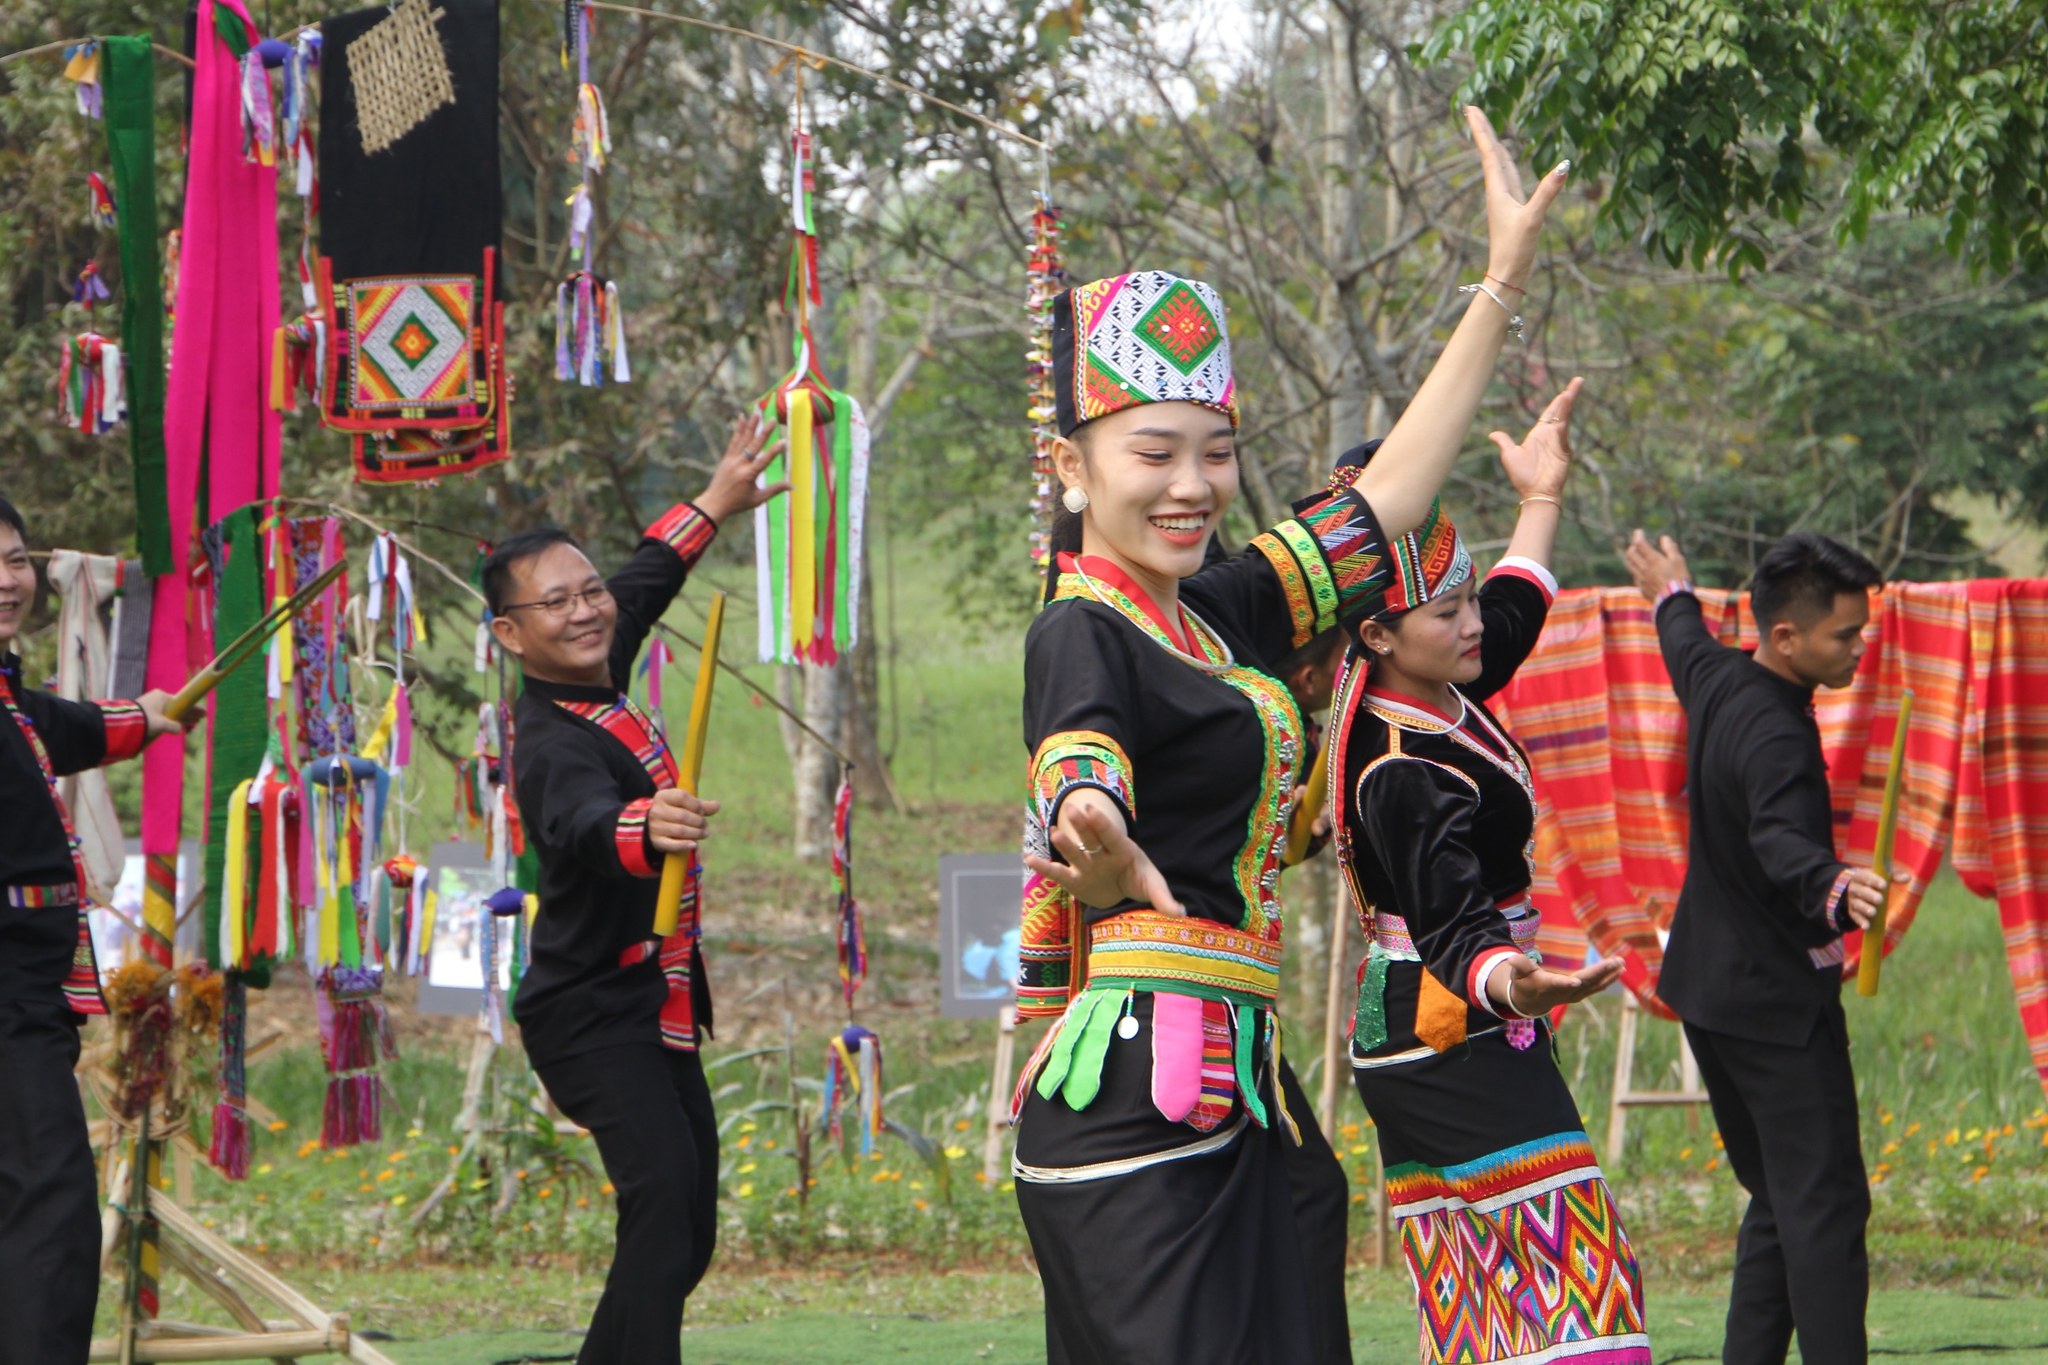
39	897
1391	931
1145	950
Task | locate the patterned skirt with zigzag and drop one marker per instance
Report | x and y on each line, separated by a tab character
1517	1251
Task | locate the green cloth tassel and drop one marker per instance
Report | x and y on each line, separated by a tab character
1247	1078
1369	1024
241	701
1061	1059
129	76
1084	1078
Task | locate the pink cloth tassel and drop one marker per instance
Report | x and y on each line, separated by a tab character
1176	1054
229	1153
1521	1034
401	729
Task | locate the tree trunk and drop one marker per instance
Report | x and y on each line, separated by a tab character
816	768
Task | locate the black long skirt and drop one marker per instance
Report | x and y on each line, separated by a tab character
1155	1242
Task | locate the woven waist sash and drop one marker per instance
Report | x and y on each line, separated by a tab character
1390	931
1145	950
37	897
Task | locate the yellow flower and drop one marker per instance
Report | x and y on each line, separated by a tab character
745	1141
962	1125
278	1127
955	1153
919	1205
366	1188
583	1201
1951	1137
746	1191
747	1168
412	1132
1973	1135
1714	1163
547	1191
264	1169
385	1175
1685	1154
398	1201
768	1144
1890	1147
1912	1128
606	1188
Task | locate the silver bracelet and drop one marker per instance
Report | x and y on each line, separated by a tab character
1514	318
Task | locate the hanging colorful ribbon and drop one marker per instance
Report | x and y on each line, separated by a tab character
853	1078
82	66
853	943
590	324
89	397
808	545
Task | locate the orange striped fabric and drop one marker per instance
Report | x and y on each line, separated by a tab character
1594	707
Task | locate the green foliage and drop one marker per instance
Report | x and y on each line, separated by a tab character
1709	116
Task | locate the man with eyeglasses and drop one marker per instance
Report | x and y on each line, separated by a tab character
609	1013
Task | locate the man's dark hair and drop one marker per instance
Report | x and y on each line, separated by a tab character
1316	652
10	517
506	556
1801	576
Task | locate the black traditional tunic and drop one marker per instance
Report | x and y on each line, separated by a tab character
1516	1250
1148	1166
586	762
49	982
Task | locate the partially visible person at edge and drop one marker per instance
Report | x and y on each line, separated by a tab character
1164	758
1511	1236
609	1013
1754	963
49	986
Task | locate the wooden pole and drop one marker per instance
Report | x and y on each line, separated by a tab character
1335	1063
999	1096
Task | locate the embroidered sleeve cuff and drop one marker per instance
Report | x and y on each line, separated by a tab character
1475	982
1835	909
1331	560
1671	590
1073	759
1516	566
127	729
685	530
636	855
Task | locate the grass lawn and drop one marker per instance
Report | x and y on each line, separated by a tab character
858	1316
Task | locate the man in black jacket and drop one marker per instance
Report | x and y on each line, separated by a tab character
49	984
609	1013
1754	963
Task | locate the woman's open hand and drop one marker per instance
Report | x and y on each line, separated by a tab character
1513	224
1104	865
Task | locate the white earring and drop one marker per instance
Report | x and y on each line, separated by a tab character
1075	499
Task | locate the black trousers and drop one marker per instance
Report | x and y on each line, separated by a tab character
1322	1213
49	1194
650	1111
1788	1121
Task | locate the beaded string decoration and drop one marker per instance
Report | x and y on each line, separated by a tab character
1045	277
590	327
807	546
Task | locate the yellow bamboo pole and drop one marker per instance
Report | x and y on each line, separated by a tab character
675	867
1871	962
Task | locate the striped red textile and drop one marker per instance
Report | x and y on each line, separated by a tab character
1594	707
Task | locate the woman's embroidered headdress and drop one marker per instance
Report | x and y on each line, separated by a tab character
1145	337
1428	562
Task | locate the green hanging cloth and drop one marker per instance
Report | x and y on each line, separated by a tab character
241	703
128	76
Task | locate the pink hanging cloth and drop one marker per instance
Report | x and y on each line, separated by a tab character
218	422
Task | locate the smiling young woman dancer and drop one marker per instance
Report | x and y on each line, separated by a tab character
1516	1248
1163	759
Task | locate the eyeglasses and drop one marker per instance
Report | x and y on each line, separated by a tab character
566	603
